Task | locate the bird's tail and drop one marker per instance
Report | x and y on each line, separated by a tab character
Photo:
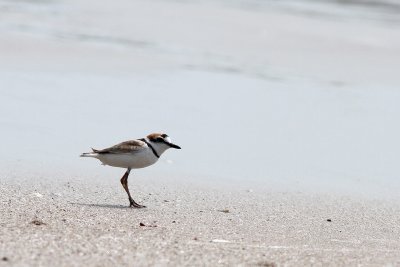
93	154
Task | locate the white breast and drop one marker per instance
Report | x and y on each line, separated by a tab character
137	160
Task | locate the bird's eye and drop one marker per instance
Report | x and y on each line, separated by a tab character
159	139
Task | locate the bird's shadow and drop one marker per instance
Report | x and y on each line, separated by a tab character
101	205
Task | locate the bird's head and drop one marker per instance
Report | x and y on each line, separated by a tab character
161	142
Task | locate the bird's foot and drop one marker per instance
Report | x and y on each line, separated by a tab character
133	204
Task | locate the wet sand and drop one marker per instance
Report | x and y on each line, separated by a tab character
63	221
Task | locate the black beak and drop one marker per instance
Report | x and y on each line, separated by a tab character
174	146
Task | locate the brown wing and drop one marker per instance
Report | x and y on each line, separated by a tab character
124	147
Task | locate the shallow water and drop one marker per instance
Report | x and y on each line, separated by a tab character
257	97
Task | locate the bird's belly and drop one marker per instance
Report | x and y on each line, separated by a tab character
133	161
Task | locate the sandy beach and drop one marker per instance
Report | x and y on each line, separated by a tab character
286	112
70	222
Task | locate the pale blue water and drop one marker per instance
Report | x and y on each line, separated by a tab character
379	11
314	107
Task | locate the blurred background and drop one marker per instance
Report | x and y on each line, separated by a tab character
287	95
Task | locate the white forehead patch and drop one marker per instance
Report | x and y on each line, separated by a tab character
167	139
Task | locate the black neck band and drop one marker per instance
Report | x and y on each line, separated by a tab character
151	147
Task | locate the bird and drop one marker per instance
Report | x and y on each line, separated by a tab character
133	154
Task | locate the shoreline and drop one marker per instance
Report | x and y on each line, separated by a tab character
288	123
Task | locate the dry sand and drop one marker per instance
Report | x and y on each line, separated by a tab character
63	221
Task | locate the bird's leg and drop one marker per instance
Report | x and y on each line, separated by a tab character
124	182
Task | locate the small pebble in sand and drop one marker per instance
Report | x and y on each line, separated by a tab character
150	225
4	259
37	222
173	221
267	264
224	211
328	220
195	238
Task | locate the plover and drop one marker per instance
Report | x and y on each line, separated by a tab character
133	154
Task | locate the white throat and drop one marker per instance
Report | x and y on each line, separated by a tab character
158	147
